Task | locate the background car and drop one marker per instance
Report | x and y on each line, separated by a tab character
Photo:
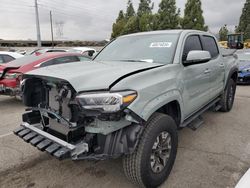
47	50
85	51
11	73
244	66
6	57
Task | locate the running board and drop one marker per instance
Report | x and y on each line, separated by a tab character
196	118
194	125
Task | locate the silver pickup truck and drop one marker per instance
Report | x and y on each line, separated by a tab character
129	101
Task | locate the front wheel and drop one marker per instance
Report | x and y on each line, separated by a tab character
153	159
227	99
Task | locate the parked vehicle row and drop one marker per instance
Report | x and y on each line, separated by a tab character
82	50
11	73
244	66
129	101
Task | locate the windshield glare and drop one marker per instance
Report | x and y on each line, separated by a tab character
155	48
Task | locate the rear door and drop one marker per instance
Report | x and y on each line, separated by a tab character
196	79
217	67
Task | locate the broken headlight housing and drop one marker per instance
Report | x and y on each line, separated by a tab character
106	102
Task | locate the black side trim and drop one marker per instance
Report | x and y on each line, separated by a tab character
231	72
132	73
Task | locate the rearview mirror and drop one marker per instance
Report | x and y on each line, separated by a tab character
197	56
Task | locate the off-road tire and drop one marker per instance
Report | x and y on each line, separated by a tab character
225	102
137	166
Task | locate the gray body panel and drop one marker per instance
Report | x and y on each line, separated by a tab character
91	75
192	86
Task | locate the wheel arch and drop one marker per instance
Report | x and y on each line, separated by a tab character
164	101
173	109
232	74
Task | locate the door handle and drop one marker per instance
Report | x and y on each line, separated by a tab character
207	71
222	65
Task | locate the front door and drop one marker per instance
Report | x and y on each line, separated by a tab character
196	79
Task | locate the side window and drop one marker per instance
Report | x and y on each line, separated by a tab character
84	58
66	59
48	63
209	44
52	50
1	59
192	43
8	58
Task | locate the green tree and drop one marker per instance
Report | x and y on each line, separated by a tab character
193	16
119	25
132	25
145	7
247	32
168	15
145	16
244	19
223	33
130	10
146	22
120	16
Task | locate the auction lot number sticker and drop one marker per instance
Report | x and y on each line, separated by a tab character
160	44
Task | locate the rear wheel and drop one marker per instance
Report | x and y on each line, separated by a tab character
227	99
153	159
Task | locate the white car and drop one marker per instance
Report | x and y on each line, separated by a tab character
47	50
85	51
6	57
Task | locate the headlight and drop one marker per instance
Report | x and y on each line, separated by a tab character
106	102
246	70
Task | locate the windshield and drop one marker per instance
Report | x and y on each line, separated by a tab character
155	48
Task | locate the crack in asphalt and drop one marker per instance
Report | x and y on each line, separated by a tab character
216	153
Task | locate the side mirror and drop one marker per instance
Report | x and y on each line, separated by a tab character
197	56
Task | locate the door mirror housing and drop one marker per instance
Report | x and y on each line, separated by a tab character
197	56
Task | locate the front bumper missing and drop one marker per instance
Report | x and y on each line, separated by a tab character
47	142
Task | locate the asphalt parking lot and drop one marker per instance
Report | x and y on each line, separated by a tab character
215	155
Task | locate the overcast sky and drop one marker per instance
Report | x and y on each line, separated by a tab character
92	19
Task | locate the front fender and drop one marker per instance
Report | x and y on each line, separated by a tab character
156	103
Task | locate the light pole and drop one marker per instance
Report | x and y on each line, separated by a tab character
51	28
39	43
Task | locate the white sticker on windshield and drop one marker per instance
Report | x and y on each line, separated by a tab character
160	44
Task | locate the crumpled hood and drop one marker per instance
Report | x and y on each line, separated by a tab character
86	76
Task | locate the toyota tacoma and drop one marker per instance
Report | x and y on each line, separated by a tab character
130	101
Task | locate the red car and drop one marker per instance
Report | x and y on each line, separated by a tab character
11	73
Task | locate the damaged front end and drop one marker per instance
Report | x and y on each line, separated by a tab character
67	124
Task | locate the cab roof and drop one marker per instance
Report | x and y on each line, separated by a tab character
174	31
